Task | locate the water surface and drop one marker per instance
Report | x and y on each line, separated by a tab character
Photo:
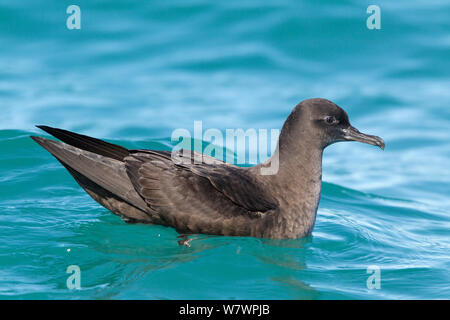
138	70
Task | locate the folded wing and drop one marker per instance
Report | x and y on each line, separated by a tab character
212	197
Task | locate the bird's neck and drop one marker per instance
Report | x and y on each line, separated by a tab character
299	179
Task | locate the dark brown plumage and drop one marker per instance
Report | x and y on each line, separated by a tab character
213	197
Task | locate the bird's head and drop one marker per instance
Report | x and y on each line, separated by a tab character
322	122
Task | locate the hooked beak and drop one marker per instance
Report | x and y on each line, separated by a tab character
353	134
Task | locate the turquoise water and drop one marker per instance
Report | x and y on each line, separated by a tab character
137	70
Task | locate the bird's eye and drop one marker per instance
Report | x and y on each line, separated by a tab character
330	120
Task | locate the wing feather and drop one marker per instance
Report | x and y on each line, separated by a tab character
200	198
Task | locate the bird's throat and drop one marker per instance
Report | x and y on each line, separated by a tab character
300	179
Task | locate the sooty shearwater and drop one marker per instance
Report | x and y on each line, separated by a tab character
213	197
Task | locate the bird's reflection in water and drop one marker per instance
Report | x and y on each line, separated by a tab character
278	263
289	256
286	258
286	253
298	289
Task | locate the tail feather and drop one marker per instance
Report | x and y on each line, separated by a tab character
86	143
110	201
110	174
103	178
